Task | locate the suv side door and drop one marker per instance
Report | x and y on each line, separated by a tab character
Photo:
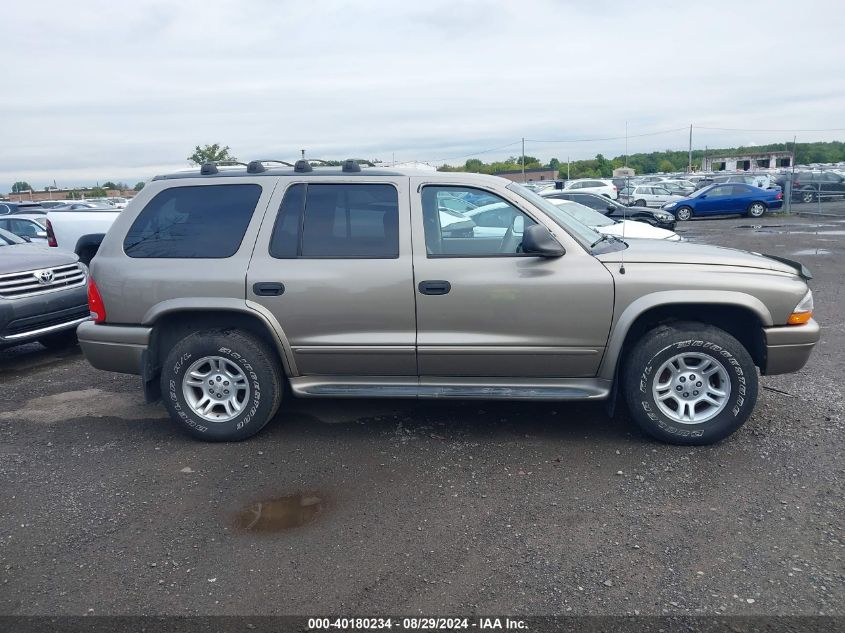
486	309
332	263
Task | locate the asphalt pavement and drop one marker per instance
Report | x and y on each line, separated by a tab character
429	507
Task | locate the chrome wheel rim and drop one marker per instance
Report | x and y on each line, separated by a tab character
215	389
683	214
807	196
757	210
691	388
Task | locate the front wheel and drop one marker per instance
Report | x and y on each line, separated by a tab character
683	214
221	385
690	383
757	210
640	203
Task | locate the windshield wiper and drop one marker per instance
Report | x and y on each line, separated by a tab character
604	236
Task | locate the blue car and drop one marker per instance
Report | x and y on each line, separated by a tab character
726	198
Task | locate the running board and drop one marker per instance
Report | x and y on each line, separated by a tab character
451	388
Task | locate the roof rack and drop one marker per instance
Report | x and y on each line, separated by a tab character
257	166
350	164
302	166
210	167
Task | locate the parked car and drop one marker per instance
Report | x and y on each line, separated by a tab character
79	229
764	181
809	186
43	294
613	209
727	199
224	290
608	226
80	206
26	228
8	207
678	187
593	185
650	195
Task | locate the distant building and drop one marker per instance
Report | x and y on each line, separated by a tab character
64	194
624	172
542	173
748	162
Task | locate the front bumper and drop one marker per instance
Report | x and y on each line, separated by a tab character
788	347
117	348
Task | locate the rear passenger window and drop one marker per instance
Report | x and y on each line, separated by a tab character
206	221
337	220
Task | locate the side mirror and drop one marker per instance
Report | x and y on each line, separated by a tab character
538	240
41	234
610	207
26	238
703	195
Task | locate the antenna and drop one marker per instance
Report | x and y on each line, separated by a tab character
624	222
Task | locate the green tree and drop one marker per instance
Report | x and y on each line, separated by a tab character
97	192
665	165
473	165
109	185
603	166
138	186
21	186
554	164
75	195
213	153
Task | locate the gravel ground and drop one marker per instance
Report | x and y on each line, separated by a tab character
428	507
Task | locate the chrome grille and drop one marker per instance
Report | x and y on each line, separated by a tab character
36	282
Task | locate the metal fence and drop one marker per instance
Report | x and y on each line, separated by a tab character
818	193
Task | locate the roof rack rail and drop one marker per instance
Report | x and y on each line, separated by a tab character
210	168
302	166
350	164
257	166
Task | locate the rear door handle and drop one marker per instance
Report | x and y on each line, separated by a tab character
268	288
434	287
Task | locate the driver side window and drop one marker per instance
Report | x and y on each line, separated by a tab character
493	227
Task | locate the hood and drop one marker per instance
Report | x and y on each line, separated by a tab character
635	229
17	258
670	252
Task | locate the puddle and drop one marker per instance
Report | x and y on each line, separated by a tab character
812	251
282	513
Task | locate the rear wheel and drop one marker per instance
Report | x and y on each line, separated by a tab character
640	203
221	385
757	210
808	195
683	214
690	383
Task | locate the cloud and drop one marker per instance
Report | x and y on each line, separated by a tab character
104	90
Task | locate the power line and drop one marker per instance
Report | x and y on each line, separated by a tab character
484	151
739	129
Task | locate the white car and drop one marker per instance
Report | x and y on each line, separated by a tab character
651	195
677	186
24	227
590	185
79	230
609	226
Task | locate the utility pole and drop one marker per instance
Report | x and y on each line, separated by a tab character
689	164
626	143
567	167
523	159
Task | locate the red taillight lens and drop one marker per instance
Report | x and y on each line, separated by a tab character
779	195
95	302
51	237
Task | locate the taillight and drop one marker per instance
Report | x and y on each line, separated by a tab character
779	195
51	237
95	302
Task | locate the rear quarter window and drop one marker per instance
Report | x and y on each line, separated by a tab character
196	222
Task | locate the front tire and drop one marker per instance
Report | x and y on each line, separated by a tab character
757	210
690	384
683	214
221	386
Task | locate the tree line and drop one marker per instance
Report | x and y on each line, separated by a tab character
652	162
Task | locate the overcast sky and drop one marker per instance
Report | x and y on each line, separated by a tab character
124	90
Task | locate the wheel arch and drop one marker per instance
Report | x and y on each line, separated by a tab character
88	244
741	315
174	319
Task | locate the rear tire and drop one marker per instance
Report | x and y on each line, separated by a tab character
808	195
689	383
221	385
683	214
59	340
756	210
640	203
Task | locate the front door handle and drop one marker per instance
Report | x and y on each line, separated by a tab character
435	287
268	288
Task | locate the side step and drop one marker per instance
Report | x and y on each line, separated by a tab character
451	388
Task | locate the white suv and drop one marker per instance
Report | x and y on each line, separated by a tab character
593	185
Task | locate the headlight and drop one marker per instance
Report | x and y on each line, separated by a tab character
664	217
83	268
803	312
670	205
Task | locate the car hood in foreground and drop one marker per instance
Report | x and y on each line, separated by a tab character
17	258
669	252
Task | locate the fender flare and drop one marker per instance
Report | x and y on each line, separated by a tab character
86	241
640	306
214	304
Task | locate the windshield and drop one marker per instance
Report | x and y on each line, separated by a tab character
7	238
580	231
583	214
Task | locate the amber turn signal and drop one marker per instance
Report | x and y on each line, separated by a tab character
799	318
